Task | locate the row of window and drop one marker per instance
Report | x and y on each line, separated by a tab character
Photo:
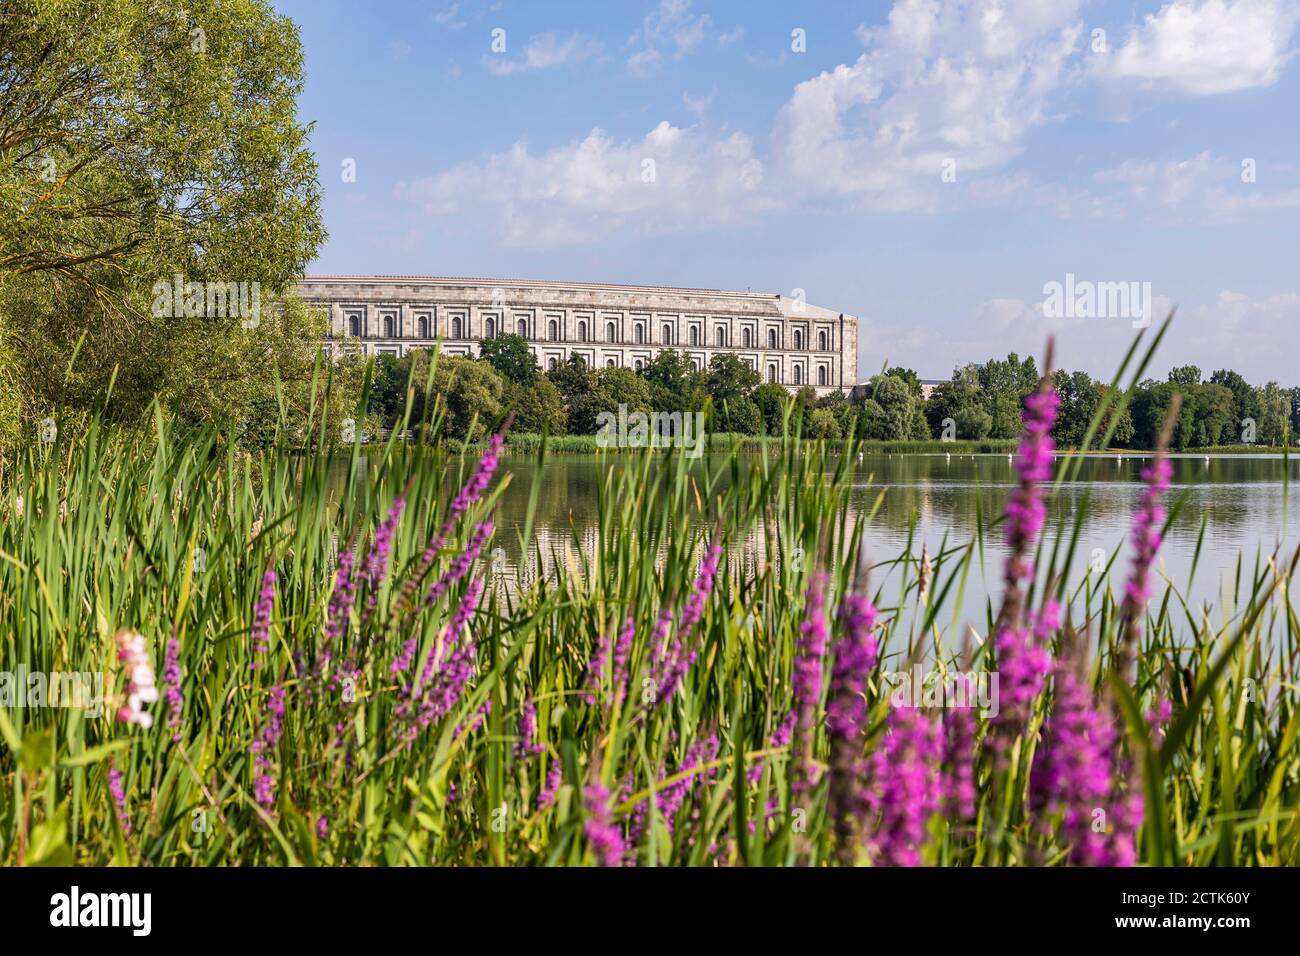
611	332
773	371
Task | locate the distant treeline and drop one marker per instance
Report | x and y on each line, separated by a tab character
981	402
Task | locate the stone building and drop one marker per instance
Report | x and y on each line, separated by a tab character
787	340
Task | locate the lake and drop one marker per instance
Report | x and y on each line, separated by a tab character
1242	499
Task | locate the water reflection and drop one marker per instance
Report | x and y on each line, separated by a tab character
1242	499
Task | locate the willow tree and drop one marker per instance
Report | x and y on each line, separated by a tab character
142	141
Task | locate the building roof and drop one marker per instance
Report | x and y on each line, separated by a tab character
537	283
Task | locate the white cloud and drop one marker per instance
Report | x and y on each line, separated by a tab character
962	80
595	188
699	105
1204	47
670	32
730	36
544	51
1195	188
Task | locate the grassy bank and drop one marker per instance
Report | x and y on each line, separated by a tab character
414	709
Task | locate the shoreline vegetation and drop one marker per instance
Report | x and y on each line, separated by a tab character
294	673
528	443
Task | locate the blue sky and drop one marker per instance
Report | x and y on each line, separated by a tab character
927	165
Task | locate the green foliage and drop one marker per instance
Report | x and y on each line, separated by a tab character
730	378
537	407
144	139
771	400
511	356
471	391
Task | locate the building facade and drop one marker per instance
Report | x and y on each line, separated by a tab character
786	340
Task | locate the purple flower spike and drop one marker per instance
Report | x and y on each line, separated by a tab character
524	746
1072	772
172	693
855	656
119	797
904	787
603	836
262	616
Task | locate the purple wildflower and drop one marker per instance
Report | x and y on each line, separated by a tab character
603	836
957	783
806	680
376	566
267	739
779	739
554	777
669	799
119	796
904	788
1158	716
322	827
262	616
448	668
846	718
1071	775
172	683
470	493
460	567
596	669
1023	664
524	746
680	653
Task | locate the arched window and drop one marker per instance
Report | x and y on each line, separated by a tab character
521	326
821	340
423	326
455	327
489	328
720	337
771	372
667	331
388	326
582	331
798	375
821	374
639	364
771	338
611	333
747	337
551	365
609	363
798	338
553	331
354	325
639	331
695	335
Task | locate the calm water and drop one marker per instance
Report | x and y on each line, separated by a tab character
1243	500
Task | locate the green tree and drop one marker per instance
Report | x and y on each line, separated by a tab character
910	377
574	380
1275	415
771	400
141	140
731	377
1246	407
1185	376
614	387
1079	398
471	392
510	355
822	424
739	415
537	407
